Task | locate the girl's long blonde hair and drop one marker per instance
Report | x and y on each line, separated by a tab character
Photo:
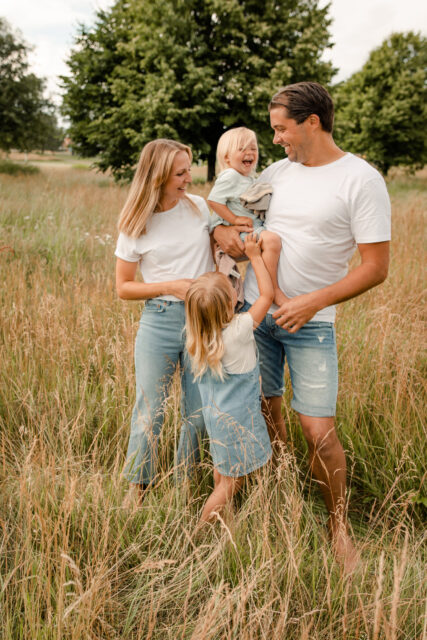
208	309
230	141
152	172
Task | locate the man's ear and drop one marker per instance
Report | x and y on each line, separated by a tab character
313	121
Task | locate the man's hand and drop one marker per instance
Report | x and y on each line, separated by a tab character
228	239
296	312
292	315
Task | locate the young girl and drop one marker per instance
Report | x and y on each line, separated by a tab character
237	157
222	350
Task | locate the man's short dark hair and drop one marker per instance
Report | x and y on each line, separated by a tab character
302	100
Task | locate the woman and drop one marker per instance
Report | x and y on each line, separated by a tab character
165	232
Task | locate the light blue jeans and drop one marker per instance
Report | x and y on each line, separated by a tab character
159	347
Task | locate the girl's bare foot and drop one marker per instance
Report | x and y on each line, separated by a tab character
134	496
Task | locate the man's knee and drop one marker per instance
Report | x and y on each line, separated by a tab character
319	433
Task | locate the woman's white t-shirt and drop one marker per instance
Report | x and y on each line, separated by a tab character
239	344
176	244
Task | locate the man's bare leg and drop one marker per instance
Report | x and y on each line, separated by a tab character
328	465
272	412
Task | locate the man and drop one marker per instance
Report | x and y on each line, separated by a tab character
324	203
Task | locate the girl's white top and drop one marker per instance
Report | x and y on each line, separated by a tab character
239	344
176	244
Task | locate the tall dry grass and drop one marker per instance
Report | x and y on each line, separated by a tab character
75	565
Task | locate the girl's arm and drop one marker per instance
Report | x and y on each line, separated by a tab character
129	289
265	286
226	214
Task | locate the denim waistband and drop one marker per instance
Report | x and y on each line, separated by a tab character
165	303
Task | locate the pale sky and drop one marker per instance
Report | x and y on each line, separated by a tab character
357	28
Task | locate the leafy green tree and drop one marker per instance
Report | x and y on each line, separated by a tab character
381	110
187	69
27	119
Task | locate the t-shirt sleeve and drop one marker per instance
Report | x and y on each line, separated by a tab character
371	213
243	327
126	249
224	188
206	214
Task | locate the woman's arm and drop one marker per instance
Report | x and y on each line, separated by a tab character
265	285
129	289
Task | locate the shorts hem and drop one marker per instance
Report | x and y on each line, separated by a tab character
258	465
276	393
314	412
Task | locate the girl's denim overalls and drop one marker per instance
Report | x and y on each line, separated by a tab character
239	441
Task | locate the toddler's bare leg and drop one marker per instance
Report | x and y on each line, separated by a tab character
225	488
271	248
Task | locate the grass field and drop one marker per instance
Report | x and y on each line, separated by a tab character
75	565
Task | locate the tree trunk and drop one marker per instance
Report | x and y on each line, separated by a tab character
211	164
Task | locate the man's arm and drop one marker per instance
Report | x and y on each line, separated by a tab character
229	240
296	312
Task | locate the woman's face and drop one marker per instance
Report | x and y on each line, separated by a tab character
180	177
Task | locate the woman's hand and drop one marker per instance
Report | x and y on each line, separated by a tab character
179	288
252	246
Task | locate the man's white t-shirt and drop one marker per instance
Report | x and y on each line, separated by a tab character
176	244
321	214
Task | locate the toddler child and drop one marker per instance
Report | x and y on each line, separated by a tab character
237	157
224	360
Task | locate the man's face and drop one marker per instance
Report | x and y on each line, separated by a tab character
295	138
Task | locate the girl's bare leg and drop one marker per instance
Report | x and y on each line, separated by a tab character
225	488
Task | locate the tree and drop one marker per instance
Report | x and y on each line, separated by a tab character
381	110
187	69
27	119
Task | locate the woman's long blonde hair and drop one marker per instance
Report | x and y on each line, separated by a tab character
208	309
152	172
230	141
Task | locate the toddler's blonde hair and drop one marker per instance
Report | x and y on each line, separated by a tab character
208	309
151	174
230	141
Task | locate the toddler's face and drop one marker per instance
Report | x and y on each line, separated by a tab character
244	160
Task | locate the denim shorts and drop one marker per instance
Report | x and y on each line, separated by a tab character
258	228
311	355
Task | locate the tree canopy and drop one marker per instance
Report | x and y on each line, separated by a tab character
381	110
28	120
188	70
